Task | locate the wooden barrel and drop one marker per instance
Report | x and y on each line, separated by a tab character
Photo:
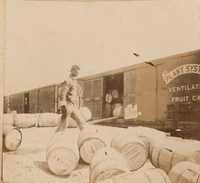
153	175
8	119
185	172
62	153
12	138
48	119
165	158
25	120
195	157
89	142
134	149
150	133
106	163
85	112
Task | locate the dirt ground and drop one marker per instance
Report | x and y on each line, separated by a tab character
28	163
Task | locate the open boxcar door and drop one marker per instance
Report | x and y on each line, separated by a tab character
93	96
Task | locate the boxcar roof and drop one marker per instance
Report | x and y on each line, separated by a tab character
155	62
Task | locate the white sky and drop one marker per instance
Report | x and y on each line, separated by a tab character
45	37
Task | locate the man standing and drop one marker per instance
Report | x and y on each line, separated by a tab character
70	100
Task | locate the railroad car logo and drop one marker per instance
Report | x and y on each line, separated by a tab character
181	70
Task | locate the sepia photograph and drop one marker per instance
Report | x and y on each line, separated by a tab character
100	91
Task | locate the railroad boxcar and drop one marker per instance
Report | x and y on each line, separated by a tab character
165	89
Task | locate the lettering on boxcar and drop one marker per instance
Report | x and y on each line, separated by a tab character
181	70
184	88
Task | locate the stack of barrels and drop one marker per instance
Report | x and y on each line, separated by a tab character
67	148
123	159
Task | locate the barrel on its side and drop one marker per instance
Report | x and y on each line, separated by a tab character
165	158
195	157
89	142
150	133
85	112
25	120
12	138
48	119
187	172
133	148
153	175
62	153
106	163
8	119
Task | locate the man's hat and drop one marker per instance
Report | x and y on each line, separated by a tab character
76	67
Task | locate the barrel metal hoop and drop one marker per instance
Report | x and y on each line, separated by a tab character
158	158
151	151
171	160
101	173
90	138
138	143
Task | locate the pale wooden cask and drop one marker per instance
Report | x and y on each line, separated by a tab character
62	153
89	142
153	175
106	163
24	120
133	148
12	138
185	172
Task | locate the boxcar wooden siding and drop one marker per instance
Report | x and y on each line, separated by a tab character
17	102
146	92
129	87
33	101
46	99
